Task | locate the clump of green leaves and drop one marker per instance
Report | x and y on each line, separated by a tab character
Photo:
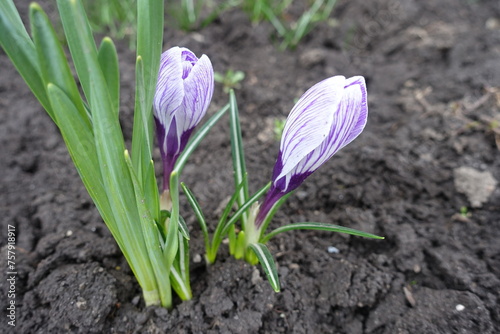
291	30
192	15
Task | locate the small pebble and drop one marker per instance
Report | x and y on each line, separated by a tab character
459	307
197	258
409	296
256	279
333	250
69	233
136	300
82	305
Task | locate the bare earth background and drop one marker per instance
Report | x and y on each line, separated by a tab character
431	147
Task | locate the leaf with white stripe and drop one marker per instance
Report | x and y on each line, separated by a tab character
318	226
267	262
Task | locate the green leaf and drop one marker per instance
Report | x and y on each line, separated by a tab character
149	46
318	226
142	139
151	192
183	228
237	153
150	14
54	67
16	42
197	138
80	41
152	239
108	59
267	262
198	213
171	244
180	270
239	251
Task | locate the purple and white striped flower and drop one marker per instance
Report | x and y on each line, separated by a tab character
326	118
183	93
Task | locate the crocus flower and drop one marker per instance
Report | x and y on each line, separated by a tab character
326	118
183	93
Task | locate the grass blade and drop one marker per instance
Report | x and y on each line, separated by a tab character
318	226
267	262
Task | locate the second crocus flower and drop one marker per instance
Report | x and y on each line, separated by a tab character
326	118
183	93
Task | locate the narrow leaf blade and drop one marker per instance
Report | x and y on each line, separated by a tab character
150	17
108	59
179	274
268	264
171	245
183	228
321	227
237	152
54	67
197	211
80	40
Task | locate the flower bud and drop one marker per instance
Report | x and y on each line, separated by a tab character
183	93
326	118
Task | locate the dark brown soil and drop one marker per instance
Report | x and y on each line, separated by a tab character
433	74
